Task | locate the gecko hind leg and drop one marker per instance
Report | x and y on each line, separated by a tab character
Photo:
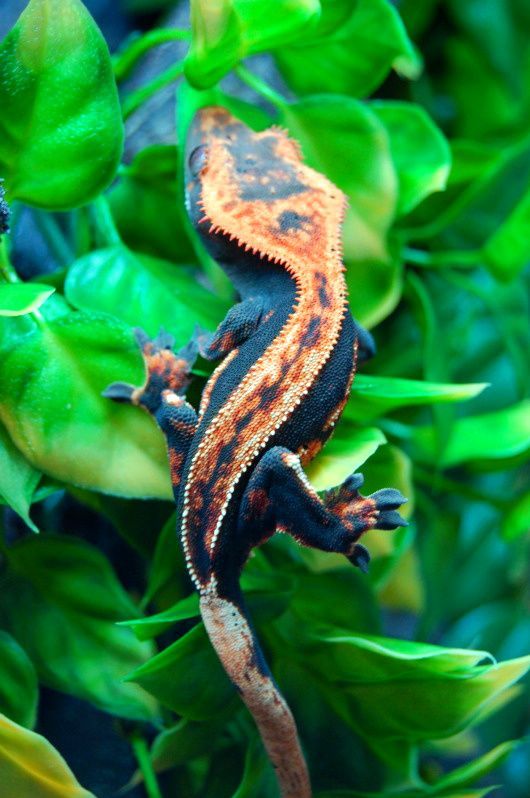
279	496
162	394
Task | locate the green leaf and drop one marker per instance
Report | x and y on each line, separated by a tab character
345	140
356	56
426	793
51	404
330	745
471	772
392	689
507	251
158	293
61	132
348	449
489	60
374	395
420	152
166	574
517	520
187	677
153	625
145	205
18	479
67	624
493	436
19	690
235	29
32	768
394	570
501	185
19	298
315	600
258	776
268	596
181	743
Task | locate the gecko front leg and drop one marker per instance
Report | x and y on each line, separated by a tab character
238	325
162	394
279	497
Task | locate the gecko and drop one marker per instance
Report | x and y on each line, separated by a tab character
288	351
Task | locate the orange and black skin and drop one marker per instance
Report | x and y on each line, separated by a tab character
289	350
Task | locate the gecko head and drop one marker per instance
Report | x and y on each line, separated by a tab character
253	190
224	156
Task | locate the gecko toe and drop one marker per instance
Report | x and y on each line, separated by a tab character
360	557
390	519
388	499
119	392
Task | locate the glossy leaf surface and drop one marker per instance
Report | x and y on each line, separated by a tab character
74	618
18	683
19	298
32	767
61	131
51	403
355	56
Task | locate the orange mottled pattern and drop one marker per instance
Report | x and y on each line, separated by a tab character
174	370
176	460
360	511
289	367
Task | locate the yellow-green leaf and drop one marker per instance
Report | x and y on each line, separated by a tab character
30	767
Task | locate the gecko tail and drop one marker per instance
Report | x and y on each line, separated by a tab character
236	646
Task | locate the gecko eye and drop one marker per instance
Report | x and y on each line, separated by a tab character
197	160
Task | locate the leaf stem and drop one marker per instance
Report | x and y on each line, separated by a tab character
260	86
125	61
104	221
54	237
139	97
141	752
7	272
467	258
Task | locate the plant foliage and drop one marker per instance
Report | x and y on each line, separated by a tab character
436	168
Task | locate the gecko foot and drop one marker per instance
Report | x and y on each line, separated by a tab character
359	513
167	371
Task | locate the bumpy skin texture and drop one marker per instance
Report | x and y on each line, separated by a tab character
289	350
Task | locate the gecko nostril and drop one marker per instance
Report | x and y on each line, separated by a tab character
197	159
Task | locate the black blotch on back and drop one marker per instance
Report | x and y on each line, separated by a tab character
257	158
313	332
268	395
291	220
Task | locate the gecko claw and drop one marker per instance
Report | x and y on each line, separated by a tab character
164	340
141	337
202	339
119	392
360	557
